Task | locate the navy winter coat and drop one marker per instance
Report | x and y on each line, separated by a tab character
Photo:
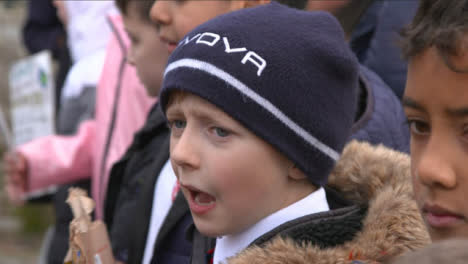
383	120
375	40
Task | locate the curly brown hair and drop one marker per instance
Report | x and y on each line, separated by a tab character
442	24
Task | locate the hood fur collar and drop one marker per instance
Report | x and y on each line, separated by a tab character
364	174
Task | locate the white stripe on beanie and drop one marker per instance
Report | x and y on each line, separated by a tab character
267	105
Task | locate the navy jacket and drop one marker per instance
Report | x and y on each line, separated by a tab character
375	40
43	29
382	120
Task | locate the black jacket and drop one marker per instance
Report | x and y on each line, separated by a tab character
130	196
326	229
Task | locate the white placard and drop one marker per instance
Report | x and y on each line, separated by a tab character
32	98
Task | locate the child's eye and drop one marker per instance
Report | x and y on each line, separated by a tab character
221	132
178	124
134	40
465	132
418	127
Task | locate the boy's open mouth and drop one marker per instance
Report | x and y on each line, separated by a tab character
203	198
171	46
199	201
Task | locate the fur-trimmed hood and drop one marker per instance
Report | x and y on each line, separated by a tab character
378	177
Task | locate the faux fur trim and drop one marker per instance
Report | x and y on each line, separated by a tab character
364	174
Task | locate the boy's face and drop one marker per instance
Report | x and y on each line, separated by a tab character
231	178
177	18
147	53
436	104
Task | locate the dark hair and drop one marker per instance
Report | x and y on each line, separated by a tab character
438	23
143	7
299	4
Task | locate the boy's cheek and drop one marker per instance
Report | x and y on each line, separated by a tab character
415	182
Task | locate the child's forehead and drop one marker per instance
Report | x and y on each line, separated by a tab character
180	100
433	87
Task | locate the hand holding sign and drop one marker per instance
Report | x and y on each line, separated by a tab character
16	171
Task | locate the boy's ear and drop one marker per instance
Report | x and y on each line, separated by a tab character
295	173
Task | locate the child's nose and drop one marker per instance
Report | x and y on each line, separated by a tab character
184	151
160	14
435	167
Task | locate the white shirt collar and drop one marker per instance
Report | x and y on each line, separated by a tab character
229	246
162	202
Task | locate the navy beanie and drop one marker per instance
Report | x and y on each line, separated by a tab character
286	75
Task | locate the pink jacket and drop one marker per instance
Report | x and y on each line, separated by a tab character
100	142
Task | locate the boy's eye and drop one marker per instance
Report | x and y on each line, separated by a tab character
134	40
131	36
418	127
178	124
465	132
221	132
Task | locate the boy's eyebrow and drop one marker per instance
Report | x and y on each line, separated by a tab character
454	112
408	102
458	112
205	116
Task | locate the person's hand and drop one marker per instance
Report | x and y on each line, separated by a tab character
16	171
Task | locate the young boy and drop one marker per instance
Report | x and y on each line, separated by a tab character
148	55
436	105
257	123
145	44
143	181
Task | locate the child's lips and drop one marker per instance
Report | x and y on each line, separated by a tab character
199	202
171	45
439	217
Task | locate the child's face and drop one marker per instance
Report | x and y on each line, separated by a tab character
177	18
436	104
147	53
231	178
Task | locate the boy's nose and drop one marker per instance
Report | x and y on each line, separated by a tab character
160	13
435	166
184	150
